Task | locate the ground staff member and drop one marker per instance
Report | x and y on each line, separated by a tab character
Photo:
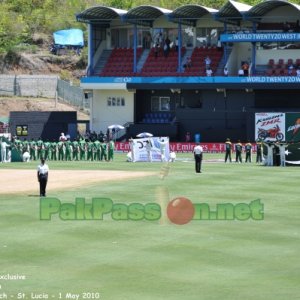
42	175
198	150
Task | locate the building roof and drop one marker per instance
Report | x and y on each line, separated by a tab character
232	11
145	14
263	8
189	14
100	14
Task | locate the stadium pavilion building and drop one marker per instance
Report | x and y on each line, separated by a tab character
131	80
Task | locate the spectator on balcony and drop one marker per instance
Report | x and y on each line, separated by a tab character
168	43
156	50
241	72
188	63
225	72
245	67
166	51
209	72
176	44
290	69
207	61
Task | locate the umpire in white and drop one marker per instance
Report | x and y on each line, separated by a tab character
198	150
42	175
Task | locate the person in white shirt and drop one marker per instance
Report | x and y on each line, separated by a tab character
62	137
225	72
282	148
26	156
42	175
270	161
163	144
4	146
149	150
298	72
172	157
209	72
198	150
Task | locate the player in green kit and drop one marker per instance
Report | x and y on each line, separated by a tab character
97	154
76	150
82	145
68	145
103	151
39	144
47	150
54	150
111	149
90	151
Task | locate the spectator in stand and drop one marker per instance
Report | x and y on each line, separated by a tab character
176	44
62	137
207	61
241	72
209	72
156	50
298	72
168	42
225	72
188	63
245	67
290	69
166	52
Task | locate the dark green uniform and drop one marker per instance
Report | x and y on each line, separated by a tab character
103	151
248	149
111	150
97	146
39	144
76	150
228	147
238	152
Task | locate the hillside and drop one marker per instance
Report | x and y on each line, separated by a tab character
37	59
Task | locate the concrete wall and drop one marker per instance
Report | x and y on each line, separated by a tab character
28	85
103	115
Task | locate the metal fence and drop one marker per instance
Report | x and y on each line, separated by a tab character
73	95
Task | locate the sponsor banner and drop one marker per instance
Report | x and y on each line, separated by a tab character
158	149
260	37
182	147
270	127
123	82
292	126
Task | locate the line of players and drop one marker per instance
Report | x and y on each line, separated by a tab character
66	150
275	152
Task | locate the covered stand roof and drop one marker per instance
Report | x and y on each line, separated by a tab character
259	10
189	14
145	14
100	14
232	12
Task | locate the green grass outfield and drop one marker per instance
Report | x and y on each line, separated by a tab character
144	260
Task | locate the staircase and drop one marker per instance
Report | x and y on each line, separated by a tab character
222	63
142	60
102	62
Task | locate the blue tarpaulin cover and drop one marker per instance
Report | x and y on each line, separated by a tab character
69	37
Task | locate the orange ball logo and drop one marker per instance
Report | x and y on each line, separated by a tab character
180	210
